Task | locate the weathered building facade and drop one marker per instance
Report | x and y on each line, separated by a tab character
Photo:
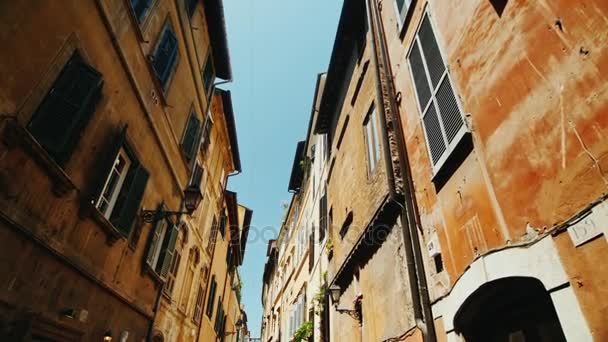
473	208
112	132
503	107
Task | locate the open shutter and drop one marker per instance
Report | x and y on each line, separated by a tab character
107	162
165	55
190	135
127	205
211	299
66	109
156	237
311	250
169	249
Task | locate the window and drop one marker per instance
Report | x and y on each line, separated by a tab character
162	245
187	285
191	7
212	236
140	8
198	308
208	75
346	225
322	217
223	223
164	59
173	269
402	7
438	262
120	186
441	116
372	139
191	133
359	84
207	126
342	131
220	318
211	300
64	112
197	175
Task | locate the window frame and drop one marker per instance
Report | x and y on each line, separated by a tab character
401	16
209	88
372	140
167	25
464	130
111	202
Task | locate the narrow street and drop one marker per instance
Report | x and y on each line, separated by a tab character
319	171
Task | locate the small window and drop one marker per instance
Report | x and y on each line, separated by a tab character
442	119
162	246
121	185
343	131
211	300
322	217
223	223
206	138
64	112
402	7
438	262
212	236
172	275
191	7
140	8
219	317
372	140
359	83
191	134
346	225
198	308
208	76
197	176
164	59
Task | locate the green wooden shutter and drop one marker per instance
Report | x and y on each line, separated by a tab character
190	135
155	237
164	262
58	122
211	299
106	163
126	209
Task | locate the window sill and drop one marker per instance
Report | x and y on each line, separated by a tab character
16	135
112	234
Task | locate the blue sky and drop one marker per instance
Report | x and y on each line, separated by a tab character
277	48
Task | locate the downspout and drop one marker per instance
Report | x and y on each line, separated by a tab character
409	213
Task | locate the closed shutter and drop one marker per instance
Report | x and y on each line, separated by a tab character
311	250
190	135
140	8
58	122
167	252
223	222
156	237
165	56
441	115
208	75
211	299
107	162
127	205
322	217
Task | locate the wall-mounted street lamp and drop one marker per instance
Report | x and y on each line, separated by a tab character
192	198
107	337
334	292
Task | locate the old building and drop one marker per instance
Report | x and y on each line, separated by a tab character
109	142
294	285
503	107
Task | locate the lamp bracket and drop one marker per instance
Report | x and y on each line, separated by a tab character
150	216
352	313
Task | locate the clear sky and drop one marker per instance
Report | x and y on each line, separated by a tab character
277	48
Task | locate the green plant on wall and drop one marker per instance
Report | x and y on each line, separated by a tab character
305	164
319	298
329	246
303	332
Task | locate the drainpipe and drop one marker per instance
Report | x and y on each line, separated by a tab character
409	212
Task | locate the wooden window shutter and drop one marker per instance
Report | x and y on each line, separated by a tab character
156	237
190	136
208	75
211	299
322	217
60	119
116	142
165	55
127	205
197	176
311	250
207	126
168	250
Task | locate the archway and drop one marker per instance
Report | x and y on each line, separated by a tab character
514	309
